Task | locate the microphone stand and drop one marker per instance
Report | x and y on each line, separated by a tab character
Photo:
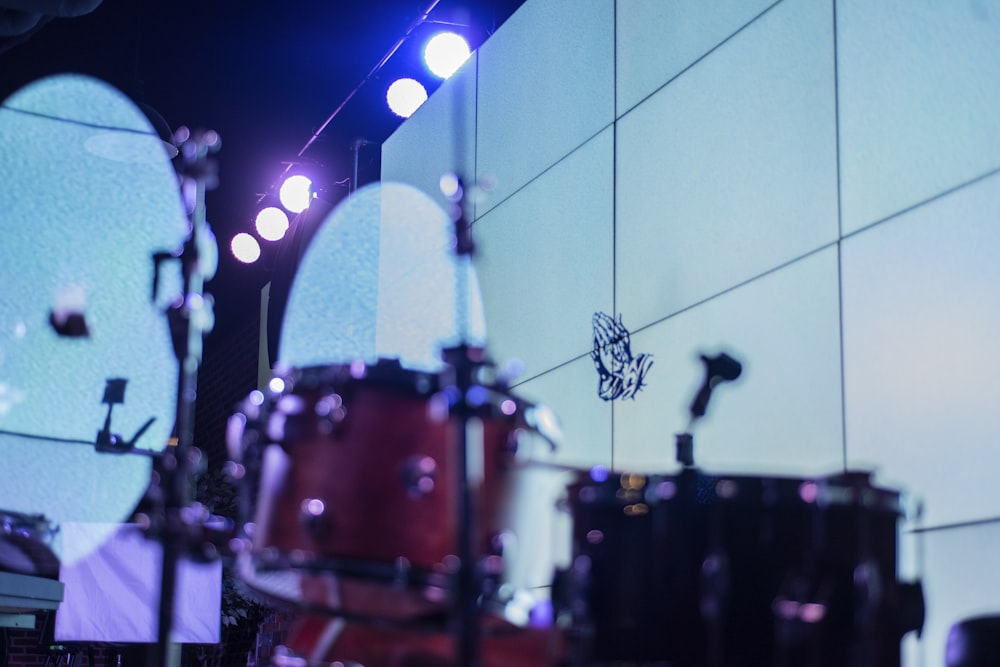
461	359
189	319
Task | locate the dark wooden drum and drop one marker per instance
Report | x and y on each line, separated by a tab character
26	544
356	484
711	570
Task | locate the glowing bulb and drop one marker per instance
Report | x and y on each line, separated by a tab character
271	223
450	186
405	96
296	193
445	52
245	248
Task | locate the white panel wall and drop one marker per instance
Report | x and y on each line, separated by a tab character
442	133
919	85
656	40
559	225
561	55
752	148
731	169
782	415
958	568
542	529
570	391
921	326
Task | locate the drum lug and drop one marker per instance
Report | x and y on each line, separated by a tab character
235	436
715	586
331	412
911	607
419	475
868	593
315	519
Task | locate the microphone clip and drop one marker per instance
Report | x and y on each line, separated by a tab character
108	442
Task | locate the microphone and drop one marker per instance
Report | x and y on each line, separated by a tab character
721	368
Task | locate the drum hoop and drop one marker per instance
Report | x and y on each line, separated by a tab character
387	373
352	568
845	490
433	621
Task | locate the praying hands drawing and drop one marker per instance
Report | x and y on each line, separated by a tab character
620	375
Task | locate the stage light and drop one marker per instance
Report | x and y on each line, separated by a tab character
444	53
245	248
271	223
295	193
450	186
405	96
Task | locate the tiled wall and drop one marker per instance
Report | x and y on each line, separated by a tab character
812	186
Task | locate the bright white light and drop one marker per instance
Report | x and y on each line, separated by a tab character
271	223
444	53
450	186
405	96
245	248
296	193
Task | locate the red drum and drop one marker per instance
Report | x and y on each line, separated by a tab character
325	641
357	478
701	570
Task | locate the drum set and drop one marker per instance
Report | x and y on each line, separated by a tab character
353	473
375	501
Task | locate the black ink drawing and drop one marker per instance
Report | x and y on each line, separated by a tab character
620	375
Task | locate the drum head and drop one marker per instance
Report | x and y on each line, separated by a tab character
88	195
381	279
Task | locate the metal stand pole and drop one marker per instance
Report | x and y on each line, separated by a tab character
466	611
189	319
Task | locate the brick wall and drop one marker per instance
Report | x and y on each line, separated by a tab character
25	647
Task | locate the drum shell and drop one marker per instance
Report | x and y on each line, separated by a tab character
633	585
500	645
360	477
811	571
26	544
726	570
359	471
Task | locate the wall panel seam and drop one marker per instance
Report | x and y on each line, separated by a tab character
695	62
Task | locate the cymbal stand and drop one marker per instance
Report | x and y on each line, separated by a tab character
464	364
189	318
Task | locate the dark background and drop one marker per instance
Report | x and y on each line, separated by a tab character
265	75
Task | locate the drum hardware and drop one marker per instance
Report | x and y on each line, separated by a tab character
189	319
464	363
973	641
383	485
369	501
718	369
418	475
114	394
